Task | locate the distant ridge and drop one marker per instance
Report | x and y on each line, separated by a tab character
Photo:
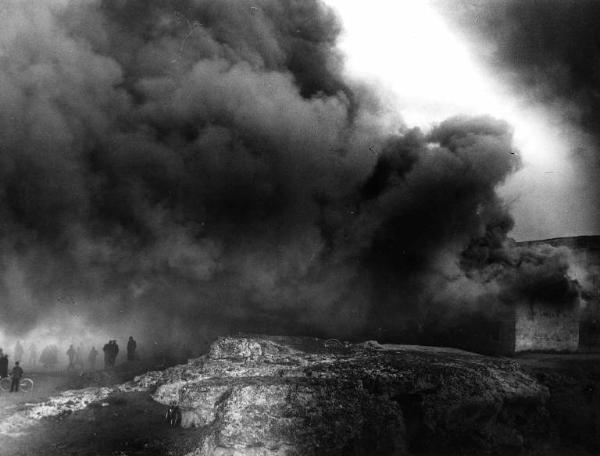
590	243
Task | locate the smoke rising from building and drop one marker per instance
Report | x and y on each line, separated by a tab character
205	163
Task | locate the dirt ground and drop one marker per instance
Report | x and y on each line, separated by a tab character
124	424
574	404
131	424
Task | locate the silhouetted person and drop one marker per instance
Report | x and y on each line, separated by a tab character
18	351
107	349
114	352
92	358
71	355
131	346
16	374
33	354
3	364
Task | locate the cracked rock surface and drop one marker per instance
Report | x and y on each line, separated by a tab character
305	396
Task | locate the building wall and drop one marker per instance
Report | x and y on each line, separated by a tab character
586	255
589	327
543	328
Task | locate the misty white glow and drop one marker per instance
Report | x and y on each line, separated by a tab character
408	48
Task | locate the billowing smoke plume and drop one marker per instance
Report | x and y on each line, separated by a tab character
201	163
440	242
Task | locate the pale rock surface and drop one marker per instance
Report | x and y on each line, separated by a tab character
284	396
301	396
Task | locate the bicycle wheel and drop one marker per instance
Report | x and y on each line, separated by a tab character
26	385
5	384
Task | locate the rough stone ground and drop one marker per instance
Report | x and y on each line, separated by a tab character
300	396
574	404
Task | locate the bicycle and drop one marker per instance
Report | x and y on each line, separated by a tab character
25	385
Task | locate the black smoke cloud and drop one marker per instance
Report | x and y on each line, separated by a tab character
177	165
549	52
440	244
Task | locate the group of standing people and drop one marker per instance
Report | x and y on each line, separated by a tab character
111	350
19	353
50	356
76	358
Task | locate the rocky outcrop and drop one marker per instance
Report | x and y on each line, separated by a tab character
301	396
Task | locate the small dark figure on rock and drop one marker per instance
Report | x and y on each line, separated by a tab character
173	416
184	418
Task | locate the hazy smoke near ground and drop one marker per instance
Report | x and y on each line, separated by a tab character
176	166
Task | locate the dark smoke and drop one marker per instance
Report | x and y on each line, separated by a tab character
173	166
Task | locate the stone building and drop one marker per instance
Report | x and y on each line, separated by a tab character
537	326
578	330
541	327
521	328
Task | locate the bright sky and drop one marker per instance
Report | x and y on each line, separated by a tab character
407	47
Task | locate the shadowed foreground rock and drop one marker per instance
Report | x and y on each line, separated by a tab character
300	396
